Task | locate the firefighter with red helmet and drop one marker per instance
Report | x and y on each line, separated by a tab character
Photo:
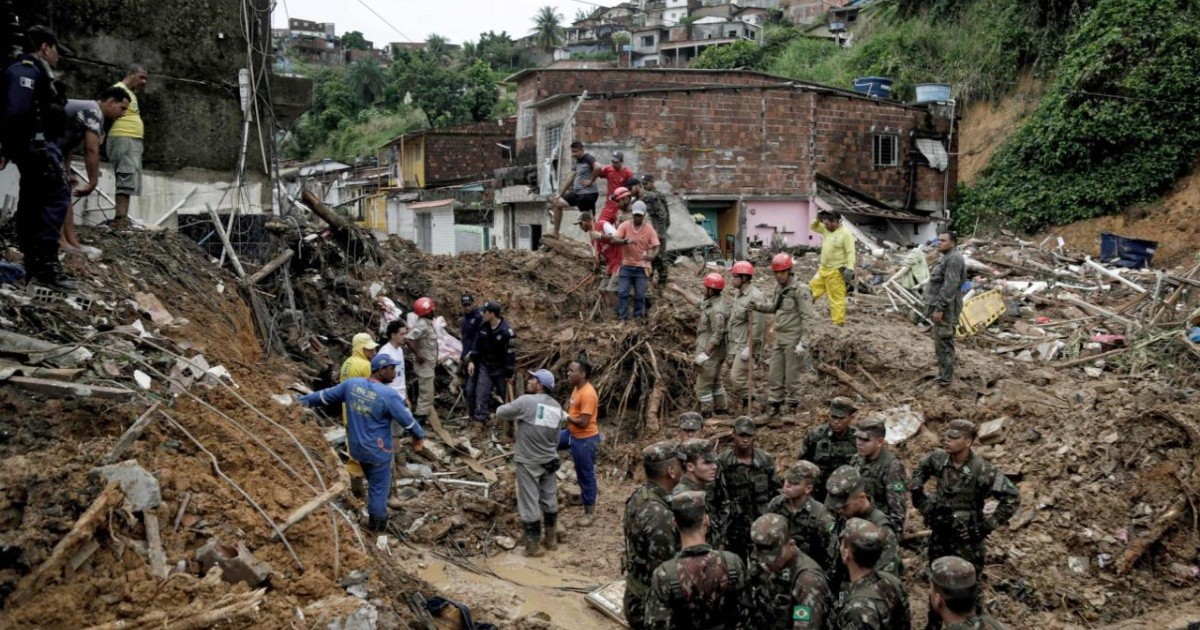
792	306
743	328
711	346
422	342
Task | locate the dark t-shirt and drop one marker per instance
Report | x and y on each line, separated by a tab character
82	117
583	171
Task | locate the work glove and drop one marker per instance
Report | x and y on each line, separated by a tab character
744	354
800	347
847	275
702	358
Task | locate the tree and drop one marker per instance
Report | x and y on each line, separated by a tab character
354	40
367	81
480	95
497	50
547	30
739	54
436	45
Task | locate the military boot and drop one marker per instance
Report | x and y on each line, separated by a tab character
550	534
589	515
721	404
533	540
377	525
746	410
775	410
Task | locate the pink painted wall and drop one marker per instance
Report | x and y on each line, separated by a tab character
792	218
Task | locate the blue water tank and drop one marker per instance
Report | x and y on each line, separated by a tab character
933	92
875	87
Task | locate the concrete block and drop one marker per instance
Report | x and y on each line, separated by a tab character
236	562
140	487
993	431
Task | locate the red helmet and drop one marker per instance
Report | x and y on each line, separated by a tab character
743	268
423	307
715	281
620	194
781	262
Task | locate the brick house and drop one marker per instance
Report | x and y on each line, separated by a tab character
442	156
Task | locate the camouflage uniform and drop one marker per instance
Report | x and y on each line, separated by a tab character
660	218
811	526
952	574
877	601
844	483
691	423
886	478
701	448
792	306
943	293
650	536
828	450
739	337
789	595
744	490
977	622
698	588
714	317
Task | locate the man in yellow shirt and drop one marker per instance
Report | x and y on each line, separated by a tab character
358	365
837	264
125	145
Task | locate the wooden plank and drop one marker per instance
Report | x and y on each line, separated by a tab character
270	267
130	436
311	506
1087	260
158	557
848	380
58	388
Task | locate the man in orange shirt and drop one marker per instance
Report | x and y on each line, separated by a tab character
582	434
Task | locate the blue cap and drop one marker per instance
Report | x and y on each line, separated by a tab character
545	377
380	361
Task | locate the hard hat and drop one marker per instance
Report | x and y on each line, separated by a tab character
423	307
620	193
743	267
781	262
715	281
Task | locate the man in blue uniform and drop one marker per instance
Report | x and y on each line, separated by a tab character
472	319
493	358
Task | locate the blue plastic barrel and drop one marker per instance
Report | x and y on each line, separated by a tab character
933	92
1122	251
875	87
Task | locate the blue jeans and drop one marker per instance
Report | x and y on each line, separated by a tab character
636	278
379	483
486	380
583	454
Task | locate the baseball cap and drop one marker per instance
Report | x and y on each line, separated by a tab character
862	535
841	407
802	471
492	306
639	207
647	178
467	299
618	156
619	193
744	425
959	428
691	421
952	572
842	484
380	361
364	340
870	428
695	448
633	181
38	35
543	376
584	216
769	533
659	452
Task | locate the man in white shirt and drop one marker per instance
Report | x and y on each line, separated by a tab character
396	330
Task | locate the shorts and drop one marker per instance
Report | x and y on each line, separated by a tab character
610	282
585	202
126	157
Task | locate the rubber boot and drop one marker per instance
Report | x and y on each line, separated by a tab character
774	413
377	525
589	515
746	410
533	540
706	412
721	404
50	275
550	534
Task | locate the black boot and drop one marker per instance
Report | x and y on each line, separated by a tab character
550	537
377	525
50	275
774	413
533	539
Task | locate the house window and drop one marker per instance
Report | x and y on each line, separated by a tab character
647	41
885	150
525	121
551	136
732	34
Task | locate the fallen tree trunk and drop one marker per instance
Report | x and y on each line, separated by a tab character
310	507
1162	525
848	380
351	238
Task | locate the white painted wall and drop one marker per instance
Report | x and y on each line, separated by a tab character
401	220
443	230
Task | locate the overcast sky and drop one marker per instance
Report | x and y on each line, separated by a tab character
456	20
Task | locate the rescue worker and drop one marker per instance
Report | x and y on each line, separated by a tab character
711	347
472	319
884	474
831	445
660	217
810	525
786	589
650	534
744	326
691	425
422	342
700	587
836	270
538	417
953	593
746	483
357	365
372	406
698	458
493	359
847	498
31	124
943	303
872	599
792	306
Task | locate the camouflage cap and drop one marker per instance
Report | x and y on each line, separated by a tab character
769	533
862	535
693	500
689	450
960	428
842	484
870	428
841	407
659	452
744	425
802	471
952	572
691	421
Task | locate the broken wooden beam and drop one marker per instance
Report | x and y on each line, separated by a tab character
1103	312
59	388
310	507
1087	260
154	545
227	609
849	381
269	268
130	436
1162	525
326	213
237	264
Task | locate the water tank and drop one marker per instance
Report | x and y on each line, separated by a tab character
875	87
933	92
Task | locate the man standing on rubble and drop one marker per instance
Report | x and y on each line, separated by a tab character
699	461
831	445
357	365
711	347
640	244
422	342
836	270
847	499
582	434
616	174
745	330
582	184
493	359
472	319
882	472
125	144
650	534
872	599
660	217
746	483
809	524
792	306
608	256
787	589
86	120
943	303
952	595
538	416
371	407
396	330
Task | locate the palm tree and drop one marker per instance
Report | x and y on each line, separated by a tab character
436	45
547	30
368	80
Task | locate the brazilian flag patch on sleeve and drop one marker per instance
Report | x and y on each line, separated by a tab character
898	486
802	613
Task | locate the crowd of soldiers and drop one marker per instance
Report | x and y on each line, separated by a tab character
719	540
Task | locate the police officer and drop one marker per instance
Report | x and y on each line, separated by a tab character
848	500
700	587
650	534
831	445
660	218
792	306
953	593
943	303
472	319
883	472
746	483
786	588
743	329
31	124
493	358
699	462
711	347
691	425
810	525
872	599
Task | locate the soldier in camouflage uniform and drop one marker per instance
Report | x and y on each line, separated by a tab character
792	306
786	588
650	534
883	472
691	425
699	462
700	587
943	303
872	599
848	499
831	445
660	218
810	525
744	330
711	347
746	483
953	594
954	513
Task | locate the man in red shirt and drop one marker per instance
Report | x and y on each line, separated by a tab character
616	175
608	256
640	244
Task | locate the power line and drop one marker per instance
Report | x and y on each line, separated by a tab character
384	20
